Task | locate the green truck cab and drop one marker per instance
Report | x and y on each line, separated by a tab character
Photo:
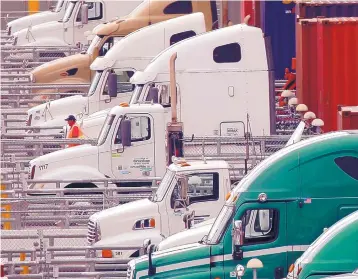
334	252
273	214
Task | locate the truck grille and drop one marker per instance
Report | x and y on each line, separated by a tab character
91	232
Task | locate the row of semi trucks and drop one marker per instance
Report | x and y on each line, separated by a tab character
274	213
147	83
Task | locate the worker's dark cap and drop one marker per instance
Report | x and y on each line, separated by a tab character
71	117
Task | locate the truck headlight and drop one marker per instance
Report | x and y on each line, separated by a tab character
148	223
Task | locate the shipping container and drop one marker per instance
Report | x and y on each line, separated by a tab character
337	65
306	63
347	118
252	8
278	23
313	9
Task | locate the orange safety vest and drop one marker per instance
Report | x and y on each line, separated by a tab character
70	136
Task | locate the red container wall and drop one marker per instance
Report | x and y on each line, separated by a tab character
306	66
337	65
347	119
252	8
336	8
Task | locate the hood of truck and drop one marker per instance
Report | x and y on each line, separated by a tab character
189	236
121	219
170	260
54	71
75	156
35	19
58	110
52	29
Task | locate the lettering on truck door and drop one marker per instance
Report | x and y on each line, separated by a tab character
264	227
137	160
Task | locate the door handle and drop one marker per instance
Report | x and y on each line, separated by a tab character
279	272
107	101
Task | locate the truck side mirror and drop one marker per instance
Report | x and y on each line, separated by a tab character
125	131
84	14
146	244
112	85
151	267
237	240
153	95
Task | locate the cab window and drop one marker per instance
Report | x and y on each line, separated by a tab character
349	165
163	94
260	225
108	45
179	7
95	11
181	36
140	129
123	84
202	187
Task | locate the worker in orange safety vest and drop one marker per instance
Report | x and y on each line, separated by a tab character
74	131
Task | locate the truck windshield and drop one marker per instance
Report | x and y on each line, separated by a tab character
69	10
94	83
105	129
136	94
95	42
220	224
59	6
163	186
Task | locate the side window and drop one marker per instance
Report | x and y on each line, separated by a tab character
140	129
95	10
163	94
260	225
201	187
349	165
123	84
230	53
179	7
108	45
181	36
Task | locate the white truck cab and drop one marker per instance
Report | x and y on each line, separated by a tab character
42	17
198	188
110	85
79	17
222	66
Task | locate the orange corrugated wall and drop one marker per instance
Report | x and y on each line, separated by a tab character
33	6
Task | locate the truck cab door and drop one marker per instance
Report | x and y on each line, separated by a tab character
137	160
95	15
205	199
124	90
264	227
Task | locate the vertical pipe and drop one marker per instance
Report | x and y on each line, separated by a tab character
173	87
224	13
33	6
